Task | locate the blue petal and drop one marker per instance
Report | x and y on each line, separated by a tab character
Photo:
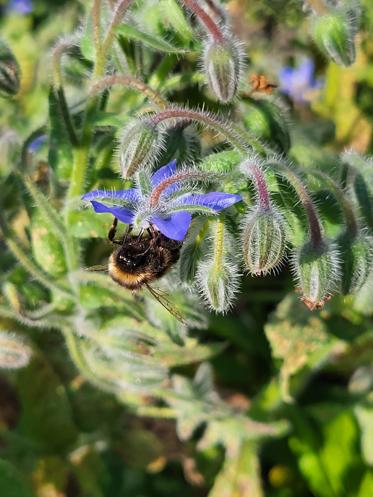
214	200
304	73
131	195
175	226
163	173
123	214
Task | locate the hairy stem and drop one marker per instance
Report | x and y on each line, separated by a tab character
260	185
176	178
305	198
218	247
129	81
233	136
345	204
206	20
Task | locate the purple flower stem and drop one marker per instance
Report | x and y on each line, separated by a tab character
260	185
306	200
129	81
208	22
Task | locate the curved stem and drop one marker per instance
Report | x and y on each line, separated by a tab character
218	246
260	184
129	81
119	11
233	136
176	178
345	204
204	17
306	200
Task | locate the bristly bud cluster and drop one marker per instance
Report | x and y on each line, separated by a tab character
334	31
263	241
222	62
141	143
317	271
218	274
14	353
9	72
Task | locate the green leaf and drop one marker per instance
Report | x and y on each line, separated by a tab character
298	337
11	482
45	408
60	157
149	40
174	15
327	454
47	248
364	414
86	224
240	476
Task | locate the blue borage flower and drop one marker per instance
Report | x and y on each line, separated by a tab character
299	82
20	6
161	201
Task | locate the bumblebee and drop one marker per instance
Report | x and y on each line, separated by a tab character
142	259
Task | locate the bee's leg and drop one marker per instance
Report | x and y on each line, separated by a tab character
113	231
129	229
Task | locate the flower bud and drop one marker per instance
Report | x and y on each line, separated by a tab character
334	34
357	257
317	269
14	353
141	143
218	275
9	72
218	287
263	241
222	63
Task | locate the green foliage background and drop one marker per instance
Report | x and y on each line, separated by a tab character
284	405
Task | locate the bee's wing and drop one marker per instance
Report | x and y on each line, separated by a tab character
99	268
162	298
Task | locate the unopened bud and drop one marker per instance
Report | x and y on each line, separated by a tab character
317	269
9	72
222	63
218	275
218	287
141	143
334	34
357	257
263	240
14	353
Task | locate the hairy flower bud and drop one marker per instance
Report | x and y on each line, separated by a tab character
263	241
357	259
222	62
217	276
14	353
141	142
9	72
317	269
334	34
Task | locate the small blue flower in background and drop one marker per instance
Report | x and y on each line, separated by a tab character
163	202
299	82
37	143
20	6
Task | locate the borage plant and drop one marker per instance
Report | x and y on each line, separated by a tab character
263	206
